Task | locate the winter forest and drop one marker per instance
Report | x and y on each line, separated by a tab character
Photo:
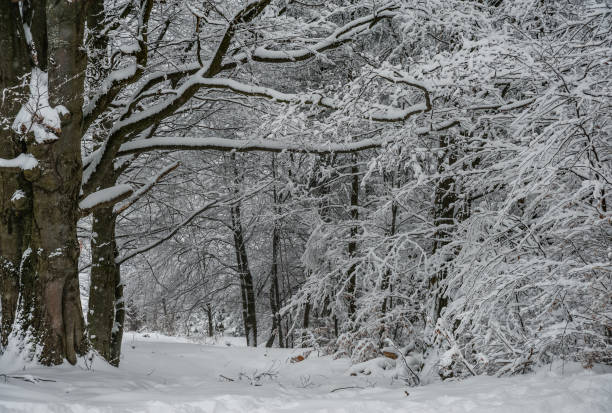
306	205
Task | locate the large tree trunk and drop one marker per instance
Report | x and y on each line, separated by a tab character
15	207
57	321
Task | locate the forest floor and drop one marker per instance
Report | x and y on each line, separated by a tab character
167	374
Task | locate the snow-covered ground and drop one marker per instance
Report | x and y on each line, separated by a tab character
167	374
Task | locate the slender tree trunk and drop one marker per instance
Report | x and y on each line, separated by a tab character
449	209
391	232
352	245
118	326
277	327
211	327
444	211
247	290
246	279
306	320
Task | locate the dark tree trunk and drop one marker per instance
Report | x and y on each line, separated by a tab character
391	232
247	291
448	211
444	212
15	207
106	313
209	314
117	332
104	276
246	279
275	302
306	321
277	327
35	16
352	245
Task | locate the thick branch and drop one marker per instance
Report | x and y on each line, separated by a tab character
118	79
379	113
229	145
134	123
105	198
340	36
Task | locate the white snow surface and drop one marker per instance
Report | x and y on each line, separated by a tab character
169	374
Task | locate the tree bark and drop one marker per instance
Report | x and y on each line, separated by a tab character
352	245
277	327
247	291
118	325
58	319
104	275
386	304
14	213
246	279
448	211
211	327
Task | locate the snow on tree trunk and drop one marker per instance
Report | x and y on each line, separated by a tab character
58	325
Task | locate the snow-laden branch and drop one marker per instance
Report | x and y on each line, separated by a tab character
379	113
226	145
104	198
245	15
340	36
117	79
263	145
503	107
132	123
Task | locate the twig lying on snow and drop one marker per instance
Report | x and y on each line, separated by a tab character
28	378
346	388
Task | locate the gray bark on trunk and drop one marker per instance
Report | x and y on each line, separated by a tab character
247	291
14	212
104	275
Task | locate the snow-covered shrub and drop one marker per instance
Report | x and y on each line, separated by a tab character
527	271
487	244
364	350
